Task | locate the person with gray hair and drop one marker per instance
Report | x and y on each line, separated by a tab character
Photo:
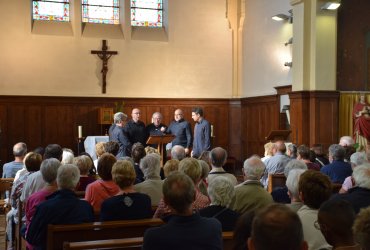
11	168
119	135
346	141
178	152
357	158
218	157
221	192
250	195
337	170
152	184
63	202
49	170
280	194
359	195
67	156
292	151
292	186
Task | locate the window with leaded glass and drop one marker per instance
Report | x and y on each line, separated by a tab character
146	13
100	11
50	10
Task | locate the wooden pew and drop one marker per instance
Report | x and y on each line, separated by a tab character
96	231
128	243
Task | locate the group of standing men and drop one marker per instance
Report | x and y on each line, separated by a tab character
127	132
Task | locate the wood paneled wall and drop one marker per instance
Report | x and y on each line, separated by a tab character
39	121
240	125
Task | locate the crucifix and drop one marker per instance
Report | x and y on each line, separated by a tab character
104	54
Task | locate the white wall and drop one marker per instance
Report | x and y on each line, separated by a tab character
194	62
264	50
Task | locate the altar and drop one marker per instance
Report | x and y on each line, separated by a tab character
90	142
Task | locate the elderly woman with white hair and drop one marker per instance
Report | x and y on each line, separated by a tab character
221	192
150	165
356	159
292	185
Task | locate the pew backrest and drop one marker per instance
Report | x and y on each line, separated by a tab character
58	234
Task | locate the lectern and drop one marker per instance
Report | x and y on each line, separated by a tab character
276	135
160	140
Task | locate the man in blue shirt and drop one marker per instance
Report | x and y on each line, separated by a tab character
182	130
11	168
202	133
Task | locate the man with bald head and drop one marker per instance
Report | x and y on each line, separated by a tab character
277	163
11	168
218	157
182	130
135	128
156	127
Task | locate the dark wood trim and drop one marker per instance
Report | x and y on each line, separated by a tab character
283	90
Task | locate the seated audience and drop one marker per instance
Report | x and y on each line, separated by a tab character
276	227
293	192
303	154
32	161
83	163
190	167
152	184
127	204
321	158
275	164
250	195
178	152
184	229
314	188
280	194
337	170
92	169
48	169
218	157
203	184
138	153
359	195
356	159
242	231
205	156
35	181
349	150
11	168
170	166
99	150
361	229
221	192
102	189
335	221
62	207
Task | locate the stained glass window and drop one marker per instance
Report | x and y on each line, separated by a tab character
51	10
147	13
100	11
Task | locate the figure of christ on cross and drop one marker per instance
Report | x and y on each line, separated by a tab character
104	55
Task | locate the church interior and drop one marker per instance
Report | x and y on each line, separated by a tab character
228	57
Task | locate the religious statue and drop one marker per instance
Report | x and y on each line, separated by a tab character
361	117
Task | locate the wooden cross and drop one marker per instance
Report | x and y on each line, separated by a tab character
104	54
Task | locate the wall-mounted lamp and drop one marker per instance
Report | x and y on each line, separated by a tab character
283	17
332	5
288	64
290	41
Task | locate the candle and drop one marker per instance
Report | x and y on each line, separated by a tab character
211	130
79	131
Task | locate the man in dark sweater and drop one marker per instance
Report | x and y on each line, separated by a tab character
136	129
182	130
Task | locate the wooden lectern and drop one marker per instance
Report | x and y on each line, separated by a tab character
276	135
160	140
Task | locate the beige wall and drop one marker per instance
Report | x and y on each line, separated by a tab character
195	61
264	50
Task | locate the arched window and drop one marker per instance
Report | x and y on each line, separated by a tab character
50	10
100	11
146	13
